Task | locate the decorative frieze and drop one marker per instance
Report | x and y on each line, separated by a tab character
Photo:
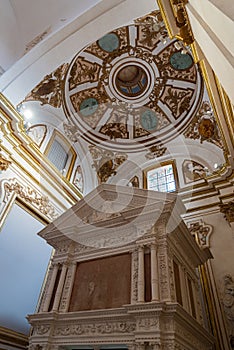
95	328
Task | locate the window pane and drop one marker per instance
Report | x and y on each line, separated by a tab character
161	179
58	155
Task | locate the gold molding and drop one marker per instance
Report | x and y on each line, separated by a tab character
179	26
13	338
31	154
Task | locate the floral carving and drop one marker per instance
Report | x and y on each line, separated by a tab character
134	276
37	133
49	90
31	196
116	126
102	328
106	162
42	329
204	127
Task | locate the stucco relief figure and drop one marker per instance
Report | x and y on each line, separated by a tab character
228	304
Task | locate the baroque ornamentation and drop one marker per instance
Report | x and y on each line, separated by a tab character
204	127
49	90
155	152
151	28
106	162
83	71
228	210
31	196
4	163
201	231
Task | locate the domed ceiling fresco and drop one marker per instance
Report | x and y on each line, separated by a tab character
132	88
133	91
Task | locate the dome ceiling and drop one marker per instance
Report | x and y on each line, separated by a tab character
129	100
132	89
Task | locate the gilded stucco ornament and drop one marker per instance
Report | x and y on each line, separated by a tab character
49	90
106	162
204	127
4	163
182	21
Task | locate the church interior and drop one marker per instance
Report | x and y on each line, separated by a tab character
116	175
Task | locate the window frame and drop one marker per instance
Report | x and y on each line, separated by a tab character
159	165
68	148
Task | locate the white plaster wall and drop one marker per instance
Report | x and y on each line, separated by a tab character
213	30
